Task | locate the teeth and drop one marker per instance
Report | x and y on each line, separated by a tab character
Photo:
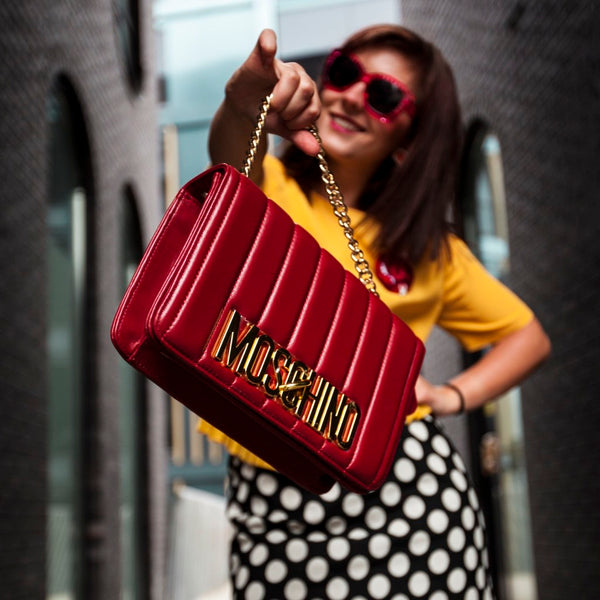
345	123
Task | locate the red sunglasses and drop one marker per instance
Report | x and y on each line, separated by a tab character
385	96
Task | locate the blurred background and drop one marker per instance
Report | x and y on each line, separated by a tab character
107	492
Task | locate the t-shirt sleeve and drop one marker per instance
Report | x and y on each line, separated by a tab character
477	308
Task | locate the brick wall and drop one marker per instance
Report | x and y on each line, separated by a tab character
38	42
531	70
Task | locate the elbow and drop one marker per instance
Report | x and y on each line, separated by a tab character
545	348
541	342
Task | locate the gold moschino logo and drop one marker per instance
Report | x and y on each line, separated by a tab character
250	353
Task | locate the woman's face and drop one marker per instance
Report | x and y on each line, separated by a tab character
351	135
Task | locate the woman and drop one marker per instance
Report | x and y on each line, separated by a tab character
388	116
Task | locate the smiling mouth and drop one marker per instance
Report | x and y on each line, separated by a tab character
344	124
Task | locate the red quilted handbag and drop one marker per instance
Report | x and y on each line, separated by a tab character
239	314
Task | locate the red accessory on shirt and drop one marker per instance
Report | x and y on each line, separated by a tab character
396	276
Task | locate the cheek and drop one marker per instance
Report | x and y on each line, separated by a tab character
389	136
398	131
328	97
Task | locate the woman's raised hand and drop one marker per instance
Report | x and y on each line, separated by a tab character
295	104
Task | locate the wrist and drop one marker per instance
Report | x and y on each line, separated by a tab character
461	398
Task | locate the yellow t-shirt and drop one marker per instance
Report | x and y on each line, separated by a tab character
457	294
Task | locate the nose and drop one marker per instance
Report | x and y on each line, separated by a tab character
353	97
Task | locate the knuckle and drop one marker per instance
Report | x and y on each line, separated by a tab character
291	74
295	78
314	113
307	90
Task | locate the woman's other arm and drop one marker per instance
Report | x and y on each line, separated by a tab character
506	364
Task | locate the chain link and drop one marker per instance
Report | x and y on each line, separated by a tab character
334	195
256	135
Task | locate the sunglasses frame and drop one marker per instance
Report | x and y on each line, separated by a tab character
407	104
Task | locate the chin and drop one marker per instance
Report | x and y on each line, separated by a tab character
339	149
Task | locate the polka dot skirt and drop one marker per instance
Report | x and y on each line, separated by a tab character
421	535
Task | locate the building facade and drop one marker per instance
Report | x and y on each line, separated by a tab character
529	70
83	502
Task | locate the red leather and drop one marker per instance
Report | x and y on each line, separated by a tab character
223	244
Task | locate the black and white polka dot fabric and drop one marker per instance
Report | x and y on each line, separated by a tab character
420	536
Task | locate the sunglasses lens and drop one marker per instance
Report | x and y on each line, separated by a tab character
342	72
384	96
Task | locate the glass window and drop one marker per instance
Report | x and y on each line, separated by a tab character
194	459
502	445
131	430
485	220
67	258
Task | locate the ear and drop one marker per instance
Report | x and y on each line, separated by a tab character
399	155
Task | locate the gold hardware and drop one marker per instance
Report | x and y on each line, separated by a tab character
334	195
244	349
256	135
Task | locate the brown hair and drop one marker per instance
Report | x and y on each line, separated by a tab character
409	200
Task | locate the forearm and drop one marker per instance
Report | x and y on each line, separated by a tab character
506	364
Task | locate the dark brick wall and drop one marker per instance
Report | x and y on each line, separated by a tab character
22	366
40	40
532	71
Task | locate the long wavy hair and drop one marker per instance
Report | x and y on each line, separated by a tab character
410	200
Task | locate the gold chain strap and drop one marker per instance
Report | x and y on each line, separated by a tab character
256	135
334	195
